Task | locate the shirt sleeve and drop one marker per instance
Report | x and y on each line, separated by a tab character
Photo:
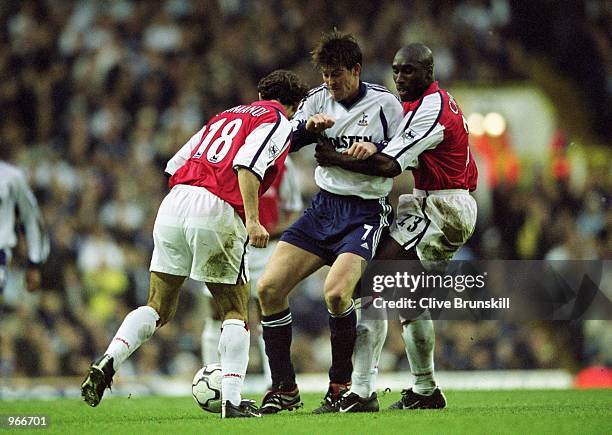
391	115
290	192
184	153
306	109
37	239
419	131
264	145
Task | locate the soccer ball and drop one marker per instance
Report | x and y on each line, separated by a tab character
206	388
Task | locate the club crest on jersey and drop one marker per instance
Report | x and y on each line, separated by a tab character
272	150
408	135
363	121
452	104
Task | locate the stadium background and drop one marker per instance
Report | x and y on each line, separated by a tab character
95	96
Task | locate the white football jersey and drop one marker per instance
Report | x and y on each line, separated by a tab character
373	117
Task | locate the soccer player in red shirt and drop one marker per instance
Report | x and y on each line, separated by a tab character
432	223
203	227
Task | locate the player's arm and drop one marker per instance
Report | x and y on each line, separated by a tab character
308	122
37	240
418	132
249	189
306	132
376	164
267	142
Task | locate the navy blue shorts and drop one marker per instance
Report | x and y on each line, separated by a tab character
335	224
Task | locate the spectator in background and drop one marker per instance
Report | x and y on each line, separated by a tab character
16	196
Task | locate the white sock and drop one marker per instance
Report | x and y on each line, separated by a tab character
265	365
371	336
211	335
234	351
137	327
419	340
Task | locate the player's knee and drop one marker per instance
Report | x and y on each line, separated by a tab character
337	299
267	292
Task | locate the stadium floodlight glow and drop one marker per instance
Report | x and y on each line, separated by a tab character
494	124
476	124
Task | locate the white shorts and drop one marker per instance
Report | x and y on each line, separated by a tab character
197	234
257	260
436	222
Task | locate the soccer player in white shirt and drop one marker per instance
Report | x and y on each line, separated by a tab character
15	194
342	227
431	225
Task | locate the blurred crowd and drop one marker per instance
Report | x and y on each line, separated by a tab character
95	97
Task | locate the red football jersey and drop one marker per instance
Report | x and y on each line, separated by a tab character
433	140
284	196
254	136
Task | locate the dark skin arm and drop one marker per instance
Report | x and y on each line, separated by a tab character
376	164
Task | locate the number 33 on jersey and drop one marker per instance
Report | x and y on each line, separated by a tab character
255	137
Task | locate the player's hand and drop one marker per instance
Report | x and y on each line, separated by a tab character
361	150
32	277
258	235
319	122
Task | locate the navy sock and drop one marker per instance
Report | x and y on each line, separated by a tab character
343	331
277	336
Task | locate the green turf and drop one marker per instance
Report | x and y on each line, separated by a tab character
515	412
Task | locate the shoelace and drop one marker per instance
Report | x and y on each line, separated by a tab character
329	400
249	405
343	399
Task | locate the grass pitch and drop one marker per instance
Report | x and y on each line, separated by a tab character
487	412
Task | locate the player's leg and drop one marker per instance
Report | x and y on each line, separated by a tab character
234	343
288	265
365	223
137	327
371	335
419	339
258	258
450	221
170	265
261	344
211	332
338	291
